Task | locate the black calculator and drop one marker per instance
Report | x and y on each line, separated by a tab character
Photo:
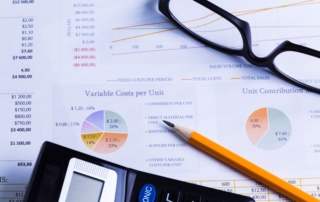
65	175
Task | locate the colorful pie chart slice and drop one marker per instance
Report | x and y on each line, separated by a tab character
268	128
104	132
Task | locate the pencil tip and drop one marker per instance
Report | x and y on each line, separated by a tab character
168	123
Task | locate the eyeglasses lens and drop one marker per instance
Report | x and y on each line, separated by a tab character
206	24
303	68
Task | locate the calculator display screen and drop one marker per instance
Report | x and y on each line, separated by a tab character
84	188
85	181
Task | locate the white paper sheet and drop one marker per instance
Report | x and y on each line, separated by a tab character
79	73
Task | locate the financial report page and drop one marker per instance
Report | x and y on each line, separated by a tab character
99	76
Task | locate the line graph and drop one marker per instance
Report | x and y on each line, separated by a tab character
238	14
137	52
163	36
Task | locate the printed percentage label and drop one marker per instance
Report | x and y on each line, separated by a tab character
104	131
268	128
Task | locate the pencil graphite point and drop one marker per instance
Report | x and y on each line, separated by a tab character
168	123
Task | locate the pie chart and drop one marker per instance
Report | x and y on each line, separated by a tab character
104	132
268	128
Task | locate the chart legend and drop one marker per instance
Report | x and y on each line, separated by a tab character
268	128
104	132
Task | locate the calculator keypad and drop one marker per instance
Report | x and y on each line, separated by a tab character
170	195
192	198
170	190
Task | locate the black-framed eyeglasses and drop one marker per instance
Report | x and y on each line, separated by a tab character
218	29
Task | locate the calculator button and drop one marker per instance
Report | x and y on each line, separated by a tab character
147	193
214	200
192	198
170	195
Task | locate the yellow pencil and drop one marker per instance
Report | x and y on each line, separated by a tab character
242	164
